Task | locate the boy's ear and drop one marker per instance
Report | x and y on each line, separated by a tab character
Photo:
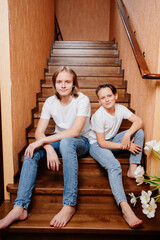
116	96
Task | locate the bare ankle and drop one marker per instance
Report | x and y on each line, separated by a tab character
131	170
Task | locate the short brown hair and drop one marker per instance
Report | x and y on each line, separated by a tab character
75	89
106	85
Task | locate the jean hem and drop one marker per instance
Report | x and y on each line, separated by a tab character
69	203
20	205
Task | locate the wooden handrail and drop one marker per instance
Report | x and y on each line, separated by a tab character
57	30
144	70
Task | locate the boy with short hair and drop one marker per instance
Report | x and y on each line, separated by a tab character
105	140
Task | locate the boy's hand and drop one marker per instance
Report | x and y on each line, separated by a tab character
134	148
52	158
32	147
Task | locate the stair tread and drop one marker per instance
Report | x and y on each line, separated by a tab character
89	218
92	180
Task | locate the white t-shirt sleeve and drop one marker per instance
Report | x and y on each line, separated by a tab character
45	113
83	106
126	112
97	123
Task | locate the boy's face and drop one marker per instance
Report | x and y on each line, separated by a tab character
106	98
64	84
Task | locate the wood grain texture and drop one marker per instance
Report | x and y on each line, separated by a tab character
83	19
31	33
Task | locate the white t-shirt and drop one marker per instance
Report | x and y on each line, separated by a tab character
103	122
64	116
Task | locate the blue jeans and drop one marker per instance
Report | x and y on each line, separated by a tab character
108	161
70	149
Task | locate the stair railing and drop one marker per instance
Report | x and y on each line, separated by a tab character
57	30
144	70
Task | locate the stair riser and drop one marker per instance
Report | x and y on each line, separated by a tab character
31	135
82	61
93	82
84	52
85	45
94	106
89	71
69	235
47	92
125	124
107	202
85	42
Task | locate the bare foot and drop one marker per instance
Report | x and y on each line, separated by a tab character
61	219
131	170
129	216
17	213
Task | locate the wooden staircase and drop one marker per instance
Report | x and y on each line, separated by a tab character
97	214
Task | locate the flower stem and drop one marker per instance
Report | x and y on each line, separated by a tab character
156	197
157	154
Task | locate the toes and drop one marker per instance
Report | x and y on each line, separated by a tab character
137	224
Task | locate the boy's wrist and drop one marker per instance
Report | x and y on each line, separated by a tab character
120	146
128	133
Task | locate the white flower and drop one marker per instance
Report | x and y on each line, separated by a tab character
145	197
157	147
139	180
133	199
149	145
149	209
139	171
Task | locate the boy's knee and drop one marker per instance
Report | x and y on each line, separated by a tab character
66	143
36	157
115	167
140	132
